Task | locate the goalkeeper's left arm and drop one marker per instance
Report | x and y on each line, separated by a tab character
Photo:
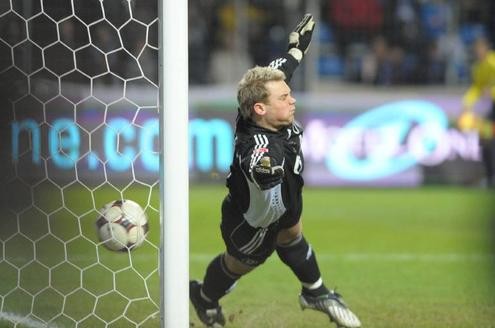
299	41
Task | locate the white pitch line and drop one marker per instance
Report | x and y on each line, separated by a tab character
26	322
377	257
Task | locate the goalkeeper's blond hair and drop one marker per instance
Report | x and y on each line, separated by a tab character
252	88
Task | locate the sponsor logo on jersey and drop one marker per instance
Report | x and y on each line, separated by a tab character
261	150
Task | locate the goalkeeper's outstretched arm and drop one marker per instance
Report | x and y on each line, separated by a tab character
299	41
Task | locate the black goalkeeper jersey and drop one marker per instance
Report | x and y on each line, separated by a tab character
281	203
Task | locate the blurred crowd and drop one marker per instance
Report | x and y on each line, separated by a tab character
384	42
405	41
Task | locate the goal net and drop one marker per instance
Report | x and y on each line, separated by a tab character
79	128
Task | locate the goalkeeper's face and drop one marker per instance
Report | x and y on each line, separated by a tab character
280	106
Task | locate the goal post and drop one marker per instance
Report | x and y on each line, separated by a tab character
174	165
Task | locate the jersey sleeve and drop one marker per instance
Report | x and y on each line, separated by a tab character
267	154
475	90
482	80
286	64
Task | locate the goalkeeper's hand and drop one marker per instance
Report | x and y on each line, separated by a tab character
267	174
300	38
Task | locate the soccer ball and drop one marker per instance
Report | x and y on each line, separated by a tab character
122	225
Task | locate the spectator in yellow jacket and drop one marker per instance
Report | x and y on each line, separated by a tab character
483	82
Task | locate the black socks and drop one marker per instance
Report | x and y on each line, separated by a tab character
218	281
299	256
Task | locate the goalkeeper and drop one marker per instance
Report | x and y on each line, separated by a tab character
261	213
483	80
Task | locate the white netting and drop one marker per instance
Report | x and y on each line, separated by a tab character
79	128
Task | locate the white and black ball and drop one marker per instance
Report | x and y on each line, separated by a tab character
122	225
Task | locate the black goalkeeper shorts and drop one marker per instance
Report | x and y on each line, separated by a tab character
252	246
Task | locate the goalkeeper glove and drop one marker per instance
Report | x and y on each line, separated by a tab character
266	174
300	38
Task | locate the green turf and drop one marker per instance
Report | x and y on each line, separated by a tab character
401	258
54	269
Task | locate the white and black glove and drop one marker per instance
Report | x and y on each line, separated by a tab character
267	173
300	38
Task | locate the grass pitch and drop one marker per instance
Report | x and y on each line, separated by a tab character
401	258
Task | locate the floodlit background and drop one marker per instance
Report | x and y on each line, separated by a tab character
395	201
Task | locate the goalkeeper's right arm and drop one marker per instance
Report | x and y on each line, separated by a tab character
299	41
